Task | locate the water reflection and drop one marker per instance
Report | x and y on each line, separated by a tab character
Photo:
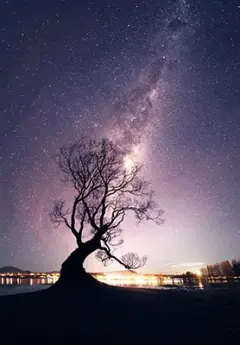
110	279
125	280
27	281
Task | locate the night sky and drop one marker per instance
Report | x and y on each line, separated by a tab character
160	77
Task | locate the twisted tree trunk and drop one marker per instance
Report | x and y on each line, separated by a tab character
72	272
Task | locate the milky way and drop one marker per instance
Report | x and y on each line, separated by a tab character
138	108
158	78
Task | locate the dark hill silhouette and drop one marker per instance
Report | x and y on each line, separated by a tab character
11	269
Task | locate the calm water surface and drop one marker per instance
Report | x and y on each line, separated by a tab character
9	281
13	285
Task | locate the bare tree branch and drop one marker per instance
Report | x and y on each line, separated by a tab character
133	261
59	215
130	261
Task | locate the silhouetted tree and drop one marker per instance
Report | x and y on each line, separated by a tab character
220	269
190	279
106	189
226	269
236	267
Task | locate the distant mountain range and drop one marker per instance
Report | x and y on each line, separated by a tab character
11	269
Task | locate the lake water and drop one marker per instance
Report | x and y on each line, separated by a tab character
9	286
13	285
13	281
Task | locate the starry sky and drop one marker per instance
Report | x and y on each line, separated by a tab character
162	78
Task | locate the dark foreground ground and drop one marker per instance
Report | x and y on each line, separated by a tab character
108	315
